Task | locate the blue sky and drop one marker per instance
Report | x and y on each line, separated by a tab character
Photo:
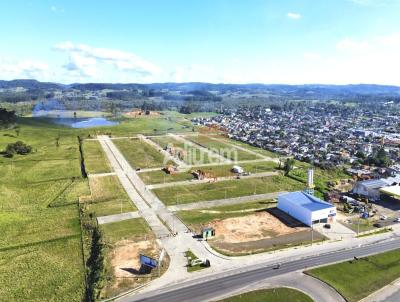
236	41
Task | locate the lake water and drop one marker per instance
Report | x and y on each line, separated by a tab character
84	122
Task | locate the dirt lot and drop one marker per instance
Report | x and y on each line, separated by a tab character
259	232
253	227
125	268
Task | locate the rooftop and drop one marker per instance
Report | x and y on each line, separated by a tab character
308	201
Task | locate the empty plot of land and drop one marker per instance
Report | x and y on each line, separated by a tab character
109	197
160	176
126	240
139	154
95	159
261	151
226	189
224	149
186	152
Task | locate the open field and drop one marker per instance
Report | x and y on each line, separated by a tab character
39	215
221	148
357	279
196	218
140	154
95	159
109	197
48	271
126	240
155	177
226	189
247	146
272	294
41	245
193	155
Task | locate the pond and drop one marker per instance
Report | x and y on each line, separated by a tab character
83	122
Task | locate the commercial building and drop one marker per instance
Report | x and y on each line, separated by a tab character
307	208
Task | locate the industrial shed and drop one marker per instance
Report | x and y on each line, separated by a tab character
307	208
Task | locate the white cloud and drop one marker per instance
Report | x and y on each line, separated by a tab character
30	69
348	44
83	56
294	16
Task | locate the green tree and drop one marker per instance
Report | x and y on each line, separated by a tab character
289	164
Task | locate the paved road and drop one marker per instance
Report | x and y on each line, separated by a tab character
207	288
202	181
101	174
224	202
117	217
316	289
179	162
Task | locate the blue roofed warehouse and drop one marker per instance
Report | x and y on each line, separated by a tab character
307	208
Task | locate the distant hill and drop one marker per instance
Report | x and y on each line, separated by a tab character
308	91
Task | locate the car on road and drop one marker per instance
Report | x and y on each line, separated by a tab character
277	266
383	217
327	226
397	220
377	225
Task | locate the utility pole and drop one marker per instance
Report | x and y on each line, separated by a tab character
312	233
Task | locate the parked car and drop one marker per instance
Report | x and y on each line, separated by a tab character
383	217
327	226
397	220
277	266
377	225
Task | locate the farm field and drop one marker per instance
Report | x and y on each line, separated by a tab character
95	158
140	154
272	294
226	189
39	215
125	241
226	150
160	176
357	279
109	197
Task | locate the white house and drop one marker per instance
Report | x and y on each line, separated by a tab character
307	208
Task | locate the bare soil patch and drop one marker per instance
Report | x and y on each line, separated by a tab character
252	227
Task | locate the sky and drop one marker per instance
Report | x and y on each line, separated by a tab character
216	41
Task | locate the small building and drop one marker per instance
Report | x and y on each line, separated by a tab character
237	169
369	188
307	208
208	233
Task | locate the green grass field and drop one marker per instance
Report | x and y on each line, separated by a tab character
155	177
39	216
356	280
140	154
109	197
226	189
127	229
249	147
193	154
272	294
321	177
95	158
224	149
199	217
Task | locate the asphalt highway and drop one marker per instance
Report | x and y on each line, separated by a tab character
210	287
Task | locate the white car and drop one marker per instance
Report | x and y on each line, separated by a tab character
383	217
397	220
